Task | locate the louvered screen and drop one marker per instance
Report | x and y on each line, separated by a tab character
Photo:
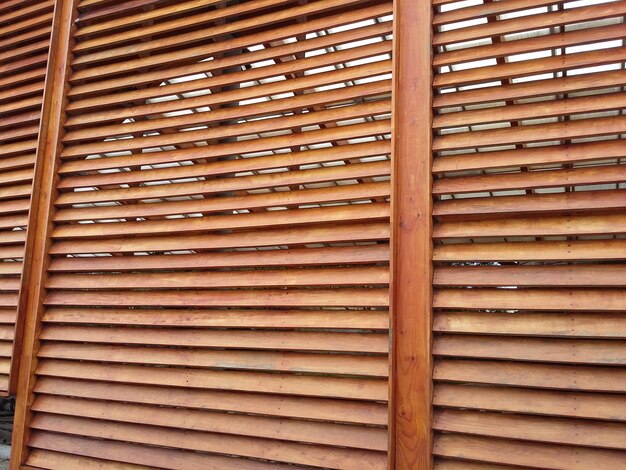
529	234
24	40
218	281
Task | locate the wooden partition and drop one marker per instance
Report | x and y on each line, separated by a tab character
210	274
24	39
529	234
350	234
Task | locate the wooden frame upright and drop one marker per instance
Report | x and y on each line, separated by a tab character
411	263
36	256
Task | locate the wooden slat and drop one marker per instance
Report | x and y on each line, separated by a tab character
329	387
94	102
342	213
323	409
254	127
530	89
294	236
535	133
578	325
575	153
225	423
528	235
611	200
367	366
226	149
576	351
588	275
477	11
523	453
276	34
533	251
234	96
295	199
552	430
232	298
292	341
201	441
277	319
524	23
201	33
532	299
531	44
512	70
612	224
600	406
545	376
80	447
363	254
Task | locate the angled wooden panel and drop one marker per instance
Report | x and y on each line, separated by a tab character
529	235
213	259
24	41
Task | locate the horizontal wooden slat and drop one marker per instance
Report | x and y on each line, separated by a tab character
216	115
92	103
303	341
277	319
533	251
106	26
237	278
50	460
226	167
535	133
512	70
533	203
579	325
226	423
294	236
531	299
267	125
549	108
530	89
524	453
486	10
341	213
325	409
587	275
532	180
256	258
202	441
576	351
552	430
572	404
146	76
548	376
610	224
571	153
291	199
230	298
134	454
232	360
225	149
531	44
211	23
530	22
329	387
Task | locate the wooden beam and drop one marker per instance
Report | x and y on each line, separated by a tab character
36	257
411	295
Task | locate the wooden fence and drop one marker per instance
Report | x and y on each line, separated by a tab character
352	234
24	40
528	233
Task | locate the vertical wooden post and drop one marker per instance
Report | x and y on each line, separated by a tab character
411	288
40	218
